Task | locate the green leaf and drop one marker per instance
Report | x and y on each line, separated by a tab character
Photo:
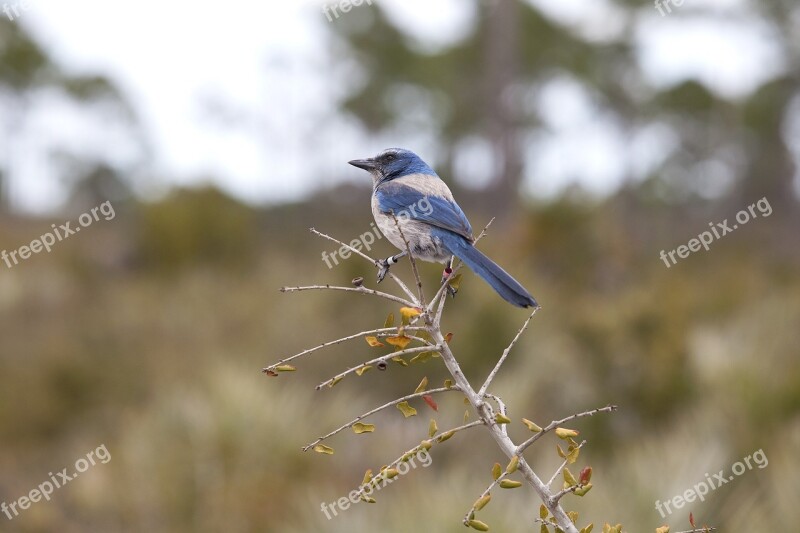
496	471
509	484
363	369
481	502
477	524
423	357
448	383
422	385
432	428
406	409
501	419
285	368
360	428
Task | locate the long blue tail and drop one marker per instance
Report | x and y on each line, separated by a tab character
506	286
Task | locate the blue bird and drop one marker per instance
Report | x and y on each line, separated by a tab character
431	220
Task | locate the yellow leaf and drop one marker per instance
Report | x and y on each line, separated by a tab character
408	313
406	409
374	342
456	281
569	478
583	490
432	428
400	361
448	383
400	342
564	433
389	321
445	436
496	471
334	381
421	357
478	525
367	477
501	419
509	484
481	502
543	512
360	428
285	368
363	369
321	448
422	385
466	415
390	473
512	465
531	425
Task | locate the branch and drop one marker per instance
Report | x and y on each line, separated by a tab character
502	359
471	513
436	439
375	262
607	409
380	332
360	290
377	409
418	349
562	467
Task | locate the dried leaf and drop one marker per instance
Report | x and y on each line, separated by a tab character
423	357
400	361
431	403
585	475
321	448
564	433
270	373
374	342
422	385
389	321
448	337
432	428
406	409
334	381
399	342
360	428
455	282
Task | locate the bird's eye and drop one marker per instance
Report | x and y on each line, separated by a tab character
390	157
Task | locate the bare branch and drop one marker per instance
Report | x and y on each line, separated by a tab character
360	290
380	332
418	349
493	484
501	407
554	424
375	262
377	409
502	359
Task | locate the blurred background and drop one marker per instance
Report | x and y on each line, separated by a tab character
598	133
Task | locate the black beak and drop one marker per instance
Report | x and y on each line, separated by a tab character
366	164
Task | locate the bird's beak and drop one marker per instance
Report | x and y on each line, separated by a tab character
366	164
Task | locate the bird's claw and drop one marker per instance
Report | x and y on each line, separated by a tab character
452	291
383	269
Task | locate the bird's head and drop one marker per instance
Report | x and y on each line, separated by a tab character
393	163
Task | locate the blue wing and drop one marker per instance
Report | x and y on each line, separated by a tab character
433	210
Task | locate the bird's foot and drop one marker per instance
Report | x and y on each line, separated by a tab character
445	279
383	269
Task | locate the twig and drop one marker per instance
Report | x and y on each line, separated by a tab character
368	258
501	407
360	290
377	409
433	441
418	349
502	359
554	424
471	513
562	467
380	332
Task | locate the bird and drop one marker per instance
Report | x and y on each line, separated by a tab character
407	192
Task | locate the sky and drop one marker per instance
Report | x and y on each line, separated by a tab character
244	93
